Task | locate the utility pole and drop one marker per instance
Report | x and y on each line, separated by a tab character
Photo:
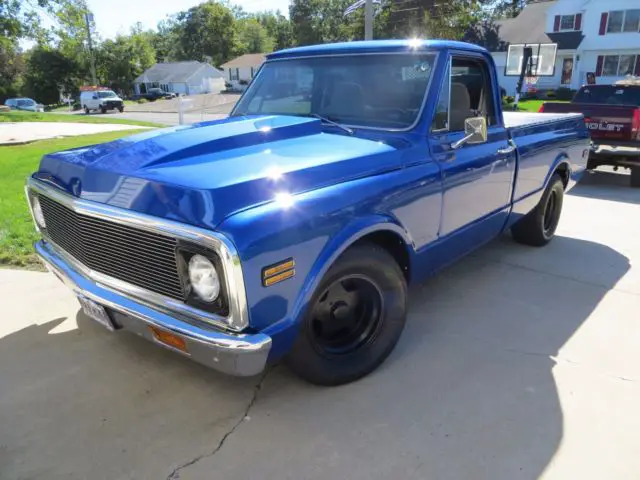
368	20
88	17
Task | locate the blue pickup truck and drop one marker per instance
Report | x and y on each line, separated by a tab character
292	228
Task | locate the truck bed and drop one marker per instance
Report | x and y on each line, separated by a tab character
522	119
520	124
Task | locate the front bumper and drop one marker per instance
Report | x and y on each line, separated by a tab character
234	354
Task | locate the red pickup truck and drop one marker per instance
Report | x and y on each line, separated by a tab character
612	115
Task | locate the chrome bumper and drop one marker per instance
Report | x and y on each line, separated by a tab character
234	354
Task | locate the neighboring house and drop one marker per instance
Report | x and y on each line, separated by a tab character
241	70
186	78
599	36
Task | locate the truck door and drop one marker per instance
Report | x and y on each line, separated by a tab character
477	178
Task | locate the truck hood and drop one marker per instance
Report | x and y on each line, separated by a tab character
202	173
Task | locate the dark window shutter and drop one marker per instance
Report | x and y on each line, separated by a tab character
603	23
556	24
599	65
637	71
578	25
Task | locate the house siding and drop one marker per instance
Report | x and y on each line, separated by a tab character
597	43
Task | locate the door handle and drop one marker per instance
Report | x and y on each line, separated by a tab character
506	150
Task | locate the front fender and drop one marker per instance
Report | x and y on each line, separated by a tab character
314	229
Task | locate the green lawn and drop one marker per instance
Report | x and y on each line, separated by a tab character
16	116
529	105
17	232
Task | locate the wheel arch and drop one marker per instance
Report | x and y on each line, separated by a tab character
381	230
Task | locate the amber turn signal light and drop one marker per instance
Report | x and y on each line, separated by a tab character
170	339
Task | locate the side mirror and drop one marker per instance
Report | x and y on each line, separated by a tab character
95	97
475	131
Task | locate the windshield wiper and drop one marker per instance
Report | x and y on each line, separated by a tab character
331	122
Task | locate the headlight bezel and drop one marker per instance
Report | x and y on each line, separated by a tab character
219	306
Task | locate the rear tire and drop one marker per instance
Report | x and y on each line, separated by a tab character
635	177
538	227
354	319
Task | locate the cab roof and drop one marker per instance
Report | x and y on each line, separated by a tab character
374	46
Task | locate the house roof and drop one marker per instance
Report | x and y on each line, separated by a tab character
175	72
246	60
529	27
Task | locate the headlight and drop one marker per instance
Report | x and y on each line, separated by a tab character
204	278
37	212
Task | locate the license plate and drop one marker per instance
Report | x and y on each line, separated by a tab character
96	312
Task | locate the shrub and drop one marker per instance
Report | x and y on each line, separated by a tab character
509	99
551	94
564	93
142	100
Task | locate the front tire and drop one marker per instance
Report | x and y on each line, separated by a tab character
86	110
354	319
538	227
103	110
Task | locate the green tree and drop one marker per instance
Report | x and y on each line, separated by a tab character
208	31
253	37
278	27
323	21
121	60
49	72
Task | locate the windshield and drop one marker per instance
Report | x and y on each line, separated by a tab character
107	94
384	91
609	94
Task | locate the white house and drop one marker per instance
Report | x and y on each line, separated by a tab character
186	78
241	70
597	36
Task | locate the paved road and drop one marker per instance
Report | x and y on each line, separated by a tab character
516	363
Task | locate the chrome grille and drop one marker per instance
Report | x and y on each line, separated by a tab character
141	258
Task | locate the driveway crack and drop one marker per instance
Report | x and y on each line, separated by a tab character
175	474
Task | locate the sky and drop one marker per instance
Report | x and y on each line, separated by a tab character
116	16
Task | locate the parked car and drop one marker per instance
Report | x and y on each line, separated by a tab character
26	104
157	93
293	227
102	100
612	115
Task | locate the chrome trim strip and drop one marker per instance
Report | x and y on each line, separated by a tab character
424	51
232	270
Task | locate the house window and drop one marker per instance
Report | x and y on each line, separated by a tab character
234	74
567	22
619	65
623	21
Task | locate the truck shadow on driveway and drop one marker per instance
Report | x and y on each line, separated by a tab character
468	393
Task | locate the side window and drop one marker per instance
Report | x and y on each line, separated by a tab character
471	93
441	115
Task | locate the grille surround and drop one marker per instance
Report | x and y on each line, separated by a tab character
237	318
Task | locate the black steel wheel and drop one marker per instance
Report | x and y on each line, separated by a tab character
538	227
354	319
347	315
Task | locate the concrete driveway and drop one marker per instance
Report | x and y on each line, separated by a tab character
516	363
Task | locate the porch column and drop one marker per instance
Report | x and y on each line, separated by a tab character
575	75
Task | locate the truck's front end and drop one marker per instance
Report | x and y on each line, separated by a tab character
174	284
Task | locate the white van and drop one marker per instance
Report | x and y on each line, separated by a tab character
102	100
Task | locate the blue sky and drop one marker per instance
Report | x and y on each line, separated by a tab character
114	16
